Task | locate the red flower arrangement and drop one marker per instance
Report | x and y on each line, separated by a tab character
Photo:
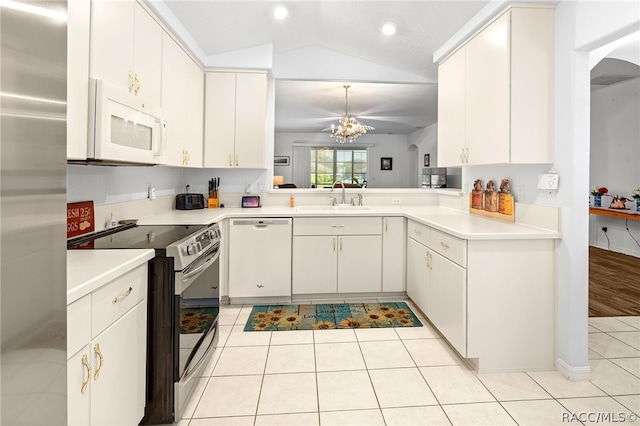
599	191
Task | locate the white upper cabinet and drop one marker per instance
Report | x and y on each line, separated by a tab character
78	40
182	101
126	47
235	132
194	143
495	93
487	94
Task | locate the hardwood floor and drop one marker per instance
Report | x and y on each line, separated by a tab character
614	284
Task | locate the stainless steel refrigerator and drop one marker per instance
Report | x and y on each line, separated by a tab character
33	73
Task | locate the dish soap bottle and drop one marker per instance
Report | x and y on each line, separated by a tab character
291	201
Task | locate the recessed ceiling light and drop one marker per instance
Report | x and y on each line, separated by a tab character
389	28
280	12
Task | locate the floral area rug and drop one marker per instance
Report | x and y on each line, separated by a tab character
330	316
196	320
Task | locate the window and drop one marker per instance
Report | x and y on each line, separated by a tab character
329	165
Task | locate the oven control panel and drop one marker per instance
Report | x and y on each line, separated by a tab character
190	248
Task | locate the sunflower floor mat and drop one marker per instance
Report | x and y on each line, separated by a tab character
331	316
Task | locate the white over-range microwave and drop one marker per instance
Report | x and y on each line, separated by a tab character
123	128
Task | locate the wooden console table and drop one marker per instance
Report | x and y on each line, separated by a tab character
623	214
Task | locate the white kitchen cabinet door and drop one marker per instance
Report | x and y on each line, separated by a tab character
417	273
532	82
118	392
220	120
447	300
315	265
147	57
393	246
174	87
194	139
251	120
488	94
79	378
451	110
78	41
183	102
112	41
126	47
359	264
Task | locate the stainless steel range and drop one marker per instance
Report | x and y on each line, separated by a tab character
183	304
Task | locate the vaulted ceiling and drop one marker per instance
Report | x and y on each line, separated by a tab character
322	45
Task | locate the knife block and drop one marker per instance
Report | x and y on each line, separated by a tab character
214	201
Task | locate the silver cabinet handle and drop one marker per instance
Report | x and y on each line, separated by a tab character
334	245
259	285
386	225
417	231
340	245
444	245
337	226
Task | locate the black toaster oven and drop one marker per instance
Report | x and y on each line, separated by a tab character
190	201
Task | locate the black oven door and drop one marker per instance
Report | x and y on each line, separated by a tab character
197	304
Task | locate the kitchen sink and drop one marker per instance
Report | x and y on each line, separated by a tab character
353	208
315	208
341	208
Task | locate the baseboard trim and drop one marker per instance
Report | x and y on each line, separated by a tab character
575	374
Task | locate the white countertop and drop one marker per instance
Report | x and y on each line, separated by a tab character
88	270
454	222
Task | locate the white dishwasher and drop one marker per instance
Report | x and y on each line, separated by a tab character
260	259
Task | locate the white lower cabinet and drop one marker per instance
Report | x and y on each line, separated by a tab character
106	375
393	252
437	284
417	273
493	300
447	300
337	255
315	264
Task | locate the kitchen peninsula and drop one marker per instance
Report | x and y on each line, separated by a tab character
498	313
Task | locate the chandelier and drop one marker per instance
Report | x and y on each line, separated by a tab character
348	128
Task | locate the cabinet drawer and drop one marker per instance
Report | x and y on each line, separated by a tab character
450	247
338	226
78	324
419	232
114	299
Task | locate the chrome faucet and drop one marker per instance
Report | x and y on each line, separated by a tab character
343	194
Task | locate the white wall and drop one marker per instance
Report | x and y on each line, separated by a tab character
615	156
111	185
580	28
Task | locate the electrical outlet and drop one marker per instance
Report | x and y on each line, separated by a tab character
520	193
396	201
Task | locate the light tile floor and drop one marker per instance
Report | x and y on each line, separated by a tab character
406	376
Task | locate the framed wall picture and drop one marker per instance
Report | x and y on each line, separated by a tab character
281	161
386	163
427	159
